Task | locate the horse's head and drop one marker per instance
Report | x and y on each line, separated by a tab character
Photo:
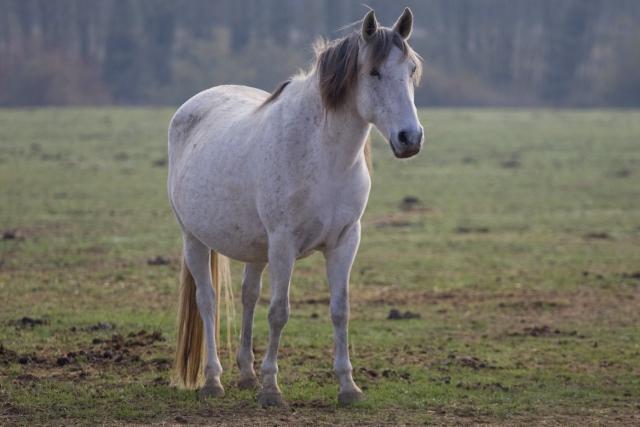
389	70
375	72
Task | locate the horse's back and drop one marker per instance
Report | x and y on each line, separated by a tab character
217	106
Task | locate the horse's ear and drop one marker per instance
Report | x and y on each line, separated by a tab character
404	24
369	25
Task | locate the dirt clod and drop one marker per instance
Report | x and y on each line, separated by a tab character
537	331
369	372
158	260
101	326
622	173
26	378
314	301
482	386
597	235
472	362
10	235
160	163
160	381
29	322
63	361
511	164
544	331
409	203
468	230
395	314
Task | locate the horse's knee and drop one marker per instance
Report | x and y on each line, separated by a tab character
250	293
278	314
339	313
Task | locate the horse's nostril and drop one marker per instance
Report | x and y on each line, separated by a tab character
403	137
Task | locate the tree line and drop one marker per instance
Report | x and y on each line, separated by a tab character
160	52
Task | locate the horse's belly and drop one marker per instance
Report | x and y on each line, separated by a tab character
224	219
237	239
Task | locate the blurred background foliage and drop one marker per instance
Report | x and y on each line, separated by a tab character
160	52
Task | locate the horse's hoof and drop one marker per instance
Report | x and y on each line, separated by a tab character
249	383
211	390
268	398
348	397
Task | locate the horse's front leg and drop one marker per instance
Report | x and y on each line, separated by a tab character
251	285
281	260
339	260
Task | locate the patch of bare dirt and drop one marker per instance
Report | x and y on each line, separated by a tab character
7	356
543	331
527	305
411	212
464	361
482	386
100	326
118	351
543	311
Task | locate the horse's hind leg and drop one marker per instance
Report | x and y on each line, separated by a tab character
197	256
251	285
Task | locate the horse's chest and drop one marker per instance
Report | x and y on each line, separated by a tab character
319	222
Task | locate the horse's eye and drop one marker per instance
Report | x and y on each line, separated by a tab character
375	73
413	70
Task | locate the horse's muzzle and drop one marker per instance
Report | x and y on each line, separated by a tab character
407	143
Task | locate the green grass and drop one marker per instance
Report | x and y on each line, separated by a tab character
526	315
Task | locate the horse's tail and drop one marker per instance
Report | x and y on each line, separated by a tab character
190	357
367	155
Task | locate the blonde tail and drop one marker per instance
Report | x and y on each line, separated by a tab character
190	357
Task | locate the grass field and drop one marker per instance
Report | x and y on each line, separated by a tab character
521	255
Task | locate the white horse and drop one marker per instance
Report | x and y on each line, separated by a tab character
272	178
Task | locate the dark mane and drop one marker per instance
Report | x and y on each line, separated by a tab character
337	64
276	93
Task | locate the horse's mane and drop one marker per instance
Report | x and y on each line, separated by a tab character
276	93
336	63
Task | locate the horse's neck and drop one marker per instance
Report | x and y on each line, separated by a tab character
339	136
345	137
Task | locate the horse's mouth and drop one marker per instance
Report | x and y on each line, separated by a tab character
405	152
